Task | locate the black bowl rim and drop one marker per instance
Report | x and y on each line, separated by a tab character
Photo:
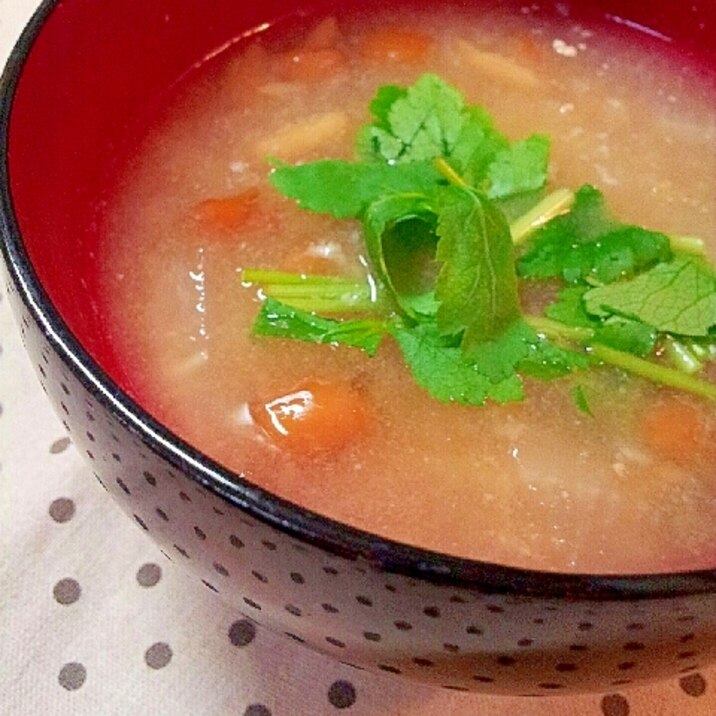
382	554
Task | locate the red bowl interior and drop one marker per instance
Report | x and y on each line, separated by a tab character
92	69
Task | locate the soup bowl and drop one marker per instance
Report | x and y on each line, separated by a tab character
78	76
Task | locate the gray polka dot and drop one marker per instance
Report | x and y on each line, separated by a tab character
693	685
149	574
242	632
62	509
67	591
257	710
615	705
59	446
342	694
158	655
72	676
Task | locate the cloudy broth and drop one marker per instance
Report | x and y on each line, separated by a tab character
536	483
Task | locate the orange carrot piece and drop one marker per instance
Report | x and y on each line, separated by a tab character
386	43
676	430
527	49
316	417
246	73
310	65
229	213
323	36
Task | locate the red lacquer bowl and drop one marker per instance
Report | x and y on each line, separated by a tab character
82	71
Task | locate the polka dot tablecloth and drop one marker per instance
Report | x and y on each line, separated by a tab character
94	620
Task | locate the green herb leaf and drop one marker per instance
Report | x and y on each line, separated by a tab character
476	290
385	98
620	333
413	126
626	335
569	308
520	350
547	361
345	189
677	297
446	372
433	187
499	358
422	123
477	285
430	119
478	145
519	168
278	320
587	244
381	217
450	375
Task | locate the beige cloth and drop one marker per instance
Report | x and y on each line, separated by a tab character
94	621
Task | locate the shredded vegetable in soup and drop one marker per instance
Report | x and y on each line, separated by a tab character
445	277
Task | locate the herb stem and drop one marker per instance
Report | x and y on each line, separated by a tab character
699	352
323	298
449	173
556	330
268	276
688	244
337	290
703	351
653	372
681	356
324	305
312	292
554	204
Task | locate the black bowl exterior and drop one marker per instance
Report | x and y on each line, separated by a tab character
366	601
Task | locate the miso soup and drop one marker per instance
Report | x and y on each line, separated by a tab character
599	470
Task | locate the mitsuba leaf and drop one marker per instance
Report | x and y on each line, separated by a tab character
518	349
626	335
412	127
444	370
422	305
380	106
518	168
500	357
477	285
476	291
382	216
547	361
569	308
421	123
278	320
430	119
677	297
477	147
344	189
620	333
587	244
433	186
